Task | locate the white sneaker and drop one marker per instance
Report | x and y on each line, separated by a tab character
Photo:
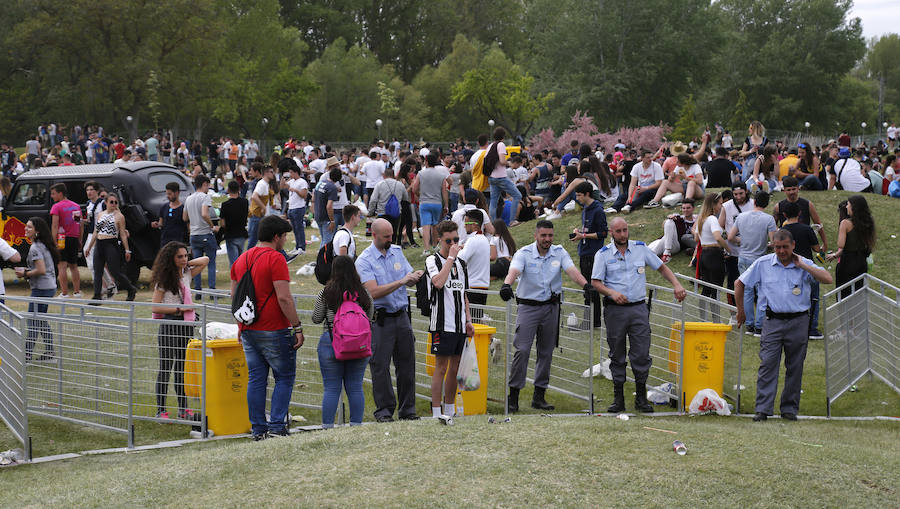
610	210
63	296
77	295
626	209
554	216
652	204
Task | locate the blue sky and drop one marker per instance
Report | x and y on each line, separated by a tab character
879	17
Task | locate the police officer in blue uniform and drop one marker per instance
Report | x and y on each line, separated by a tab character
540	265
785	284
385	273
620	276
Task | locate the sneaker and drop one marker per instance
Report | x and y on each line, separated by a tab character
77	295
815	334
283	432
610	210
652	204
409	417
757	332
750	329
188	415
162	415
554	216
384	418
626	209
291	257
666	257
63	296
259	436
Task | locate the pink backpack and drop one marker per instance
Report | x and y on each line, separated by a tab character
351	333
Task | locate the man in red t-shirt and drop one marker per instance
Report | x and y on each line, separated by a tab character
272	341
65	223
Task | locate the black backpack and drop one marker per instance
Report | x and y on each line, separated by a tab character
424	297
243	301
324	258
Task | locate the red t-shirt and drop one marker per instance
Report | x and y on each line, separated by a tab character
268	266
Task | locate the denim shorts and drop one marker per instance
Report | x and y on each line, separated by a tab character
430	213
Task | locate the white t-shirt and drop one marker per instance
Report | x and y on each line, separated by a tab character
500	169
851	175
892	132
6	252
521	175
317	166
452	306
374	172
695	171
474	158
727	141
344	238
647	176
295	201
502	249
710	225
731	213
477	255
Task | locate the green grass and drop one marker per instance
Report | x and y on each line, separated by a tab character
873	397
532	461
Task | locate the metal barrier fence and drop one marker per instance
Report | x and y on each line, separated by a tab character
13	392
861	335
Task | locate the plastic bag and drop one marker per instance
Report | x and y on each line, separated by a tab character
661	394
363	210
307	270
569	206
468	377
219	330
708	401
673	199
599	369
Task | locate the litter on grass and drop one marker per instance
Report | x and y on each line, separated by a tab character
599	369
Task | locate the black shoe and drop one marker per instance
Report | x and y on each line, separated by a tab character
259	436
413	244
405	245
789	416
757	332
384	418
815	334
618	399
409	417
759	417
640	399
512	401
290	258
283	432
538	402
50	356
132	292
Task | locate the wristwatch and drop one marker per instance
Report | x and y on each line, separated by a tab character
298	329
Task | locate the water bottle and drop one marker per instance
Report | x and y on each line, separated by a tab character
679	447
460	410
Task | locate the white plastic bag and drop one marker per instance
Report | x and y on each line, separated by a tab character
673	199
708	401
599	369
661	394
307	270
570	206
219	330
468	377
363	210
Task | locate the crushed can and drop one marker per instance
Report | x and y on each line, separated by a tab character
678	447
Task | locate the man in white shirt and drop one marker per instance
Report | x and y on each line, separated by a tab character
646	177
458	217
374	171
848	172
317	165
298	190
251	149
477	255
343	242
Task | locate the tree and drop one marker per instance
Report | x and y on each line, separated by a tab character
881	64
500	90
742	116
687	126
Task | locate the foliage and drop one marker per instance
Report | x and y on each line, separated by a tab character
583	130
882	62
742	116
686	127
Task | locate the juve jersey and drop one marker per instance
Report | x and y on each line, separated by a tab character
448	312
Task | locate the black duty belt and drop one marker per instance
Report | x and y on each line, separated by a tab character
609	302
528	302
785	316
387	314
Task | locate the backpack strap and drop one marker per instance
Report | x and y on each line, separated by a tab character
250	270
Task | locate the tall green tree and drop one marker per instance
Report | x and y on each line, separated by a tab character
882	66
686	127
741	116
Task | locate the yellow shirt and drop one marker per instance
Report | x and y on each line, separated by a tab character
785	164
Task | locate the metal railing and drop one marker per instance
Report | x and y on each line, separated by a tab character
13	389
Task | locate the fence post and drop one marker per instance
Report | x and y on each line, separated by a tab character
590	378
507	363
682	404
130	429
865	290
203	424
826	328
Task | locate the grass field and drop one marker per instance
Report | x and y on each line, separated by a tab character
873	397
532	461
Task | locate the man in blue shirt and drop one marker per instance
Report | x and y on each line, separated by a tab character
385	273
620	276
784	280
541	265
590	239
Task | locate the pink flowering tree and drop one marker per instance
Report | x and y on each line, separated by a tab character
583	129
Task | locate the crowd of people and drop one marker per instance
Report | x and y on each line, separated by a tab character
460	202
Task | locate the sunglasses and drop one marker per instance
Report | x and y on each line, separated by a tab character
454	240
112	202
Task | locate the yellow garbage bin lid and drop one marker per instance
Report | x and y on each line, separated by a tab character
480	328
707	327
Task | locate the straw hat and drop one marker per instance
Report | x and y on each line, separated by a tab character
332	161
678	148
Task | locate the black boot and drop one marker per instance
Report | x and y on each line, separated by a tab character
640	399
537	400
618	399
513	400
132	292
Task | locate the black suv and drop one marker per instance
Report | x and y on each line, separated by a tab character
141	188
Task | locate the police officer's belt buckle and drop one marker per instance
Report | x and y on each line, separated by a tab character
528	302
785	316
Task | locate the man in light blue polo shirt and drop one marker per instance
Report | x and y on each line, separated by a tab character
784	280
385	273
620	276
541	265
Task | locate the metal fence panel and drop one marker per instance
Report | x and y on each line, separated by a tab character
13	392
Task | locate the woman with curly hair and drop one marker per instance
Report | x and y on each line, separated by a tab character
171	280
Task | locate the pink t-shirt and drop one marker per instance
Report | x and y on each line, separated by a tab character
69	216
500	169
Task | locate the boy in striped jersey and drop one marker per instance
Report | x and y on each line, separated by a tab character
451	321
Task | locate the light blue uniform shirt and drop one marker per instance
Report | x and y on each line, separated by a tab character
541	275
384	269
625	274
778	284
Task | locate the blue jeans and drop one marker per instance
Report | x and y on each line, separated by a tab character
497	185
37	326
298	224
812	183
747	168
335	374
753	312
338	218
252	230
264	350
454	201
205	245
562	205
325	233
235	246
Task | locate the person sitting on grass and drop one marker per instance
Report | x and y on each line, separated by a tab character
685	178
677	233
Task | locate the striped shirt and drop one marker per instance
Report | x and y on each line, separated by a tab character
448	313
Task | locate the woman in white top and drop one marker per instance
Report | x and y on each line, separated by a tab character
502	248
685	178
171	280
712	246
109	230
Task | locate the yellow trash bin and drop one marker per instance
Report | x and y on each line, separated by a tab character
704	357
473	402
226	384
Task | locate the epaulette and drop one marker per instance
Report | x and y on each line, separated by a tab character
638	243
604	248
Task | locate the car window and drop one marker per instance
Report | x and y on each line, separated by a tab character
31	193
159	179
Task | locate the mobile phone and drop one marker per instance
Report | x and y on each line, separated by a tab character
572	235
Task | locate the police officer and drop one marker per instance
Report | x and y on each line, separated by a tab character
785	283
541	265
385	273
620	276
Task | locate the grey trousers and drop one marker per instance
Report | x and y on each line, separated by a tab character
542	321
633	321
792	336
393	340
